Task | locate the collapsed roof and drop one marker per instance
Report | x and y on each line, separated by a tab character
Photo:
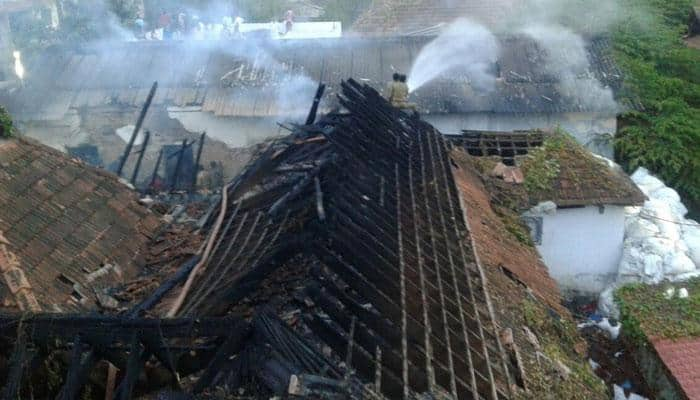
364	210
66	229
260	79
341	259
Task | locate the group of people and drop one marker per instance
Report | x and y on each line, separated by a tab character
180	25
397	93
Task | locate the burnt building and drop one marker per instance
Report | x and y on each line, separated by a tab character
339	264
366	220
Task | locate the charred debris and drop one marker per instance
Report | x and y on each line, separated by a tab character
337	265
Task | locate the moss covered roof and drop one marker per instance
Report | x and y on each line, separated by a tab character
670	324
565	172
524	295
648	314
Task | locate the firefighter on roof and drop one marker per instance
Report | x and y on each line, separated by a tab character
397	93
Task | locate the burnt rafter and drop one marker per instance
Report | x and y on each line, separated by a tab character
506	145
371	190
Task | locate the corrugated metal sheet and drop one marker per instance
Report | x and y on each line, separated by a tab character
192	76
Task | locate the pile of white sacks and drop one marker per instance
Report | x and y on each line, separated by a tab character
660	243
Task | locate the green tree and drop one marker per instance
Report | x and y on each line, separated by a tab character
345	11
663	76
6	126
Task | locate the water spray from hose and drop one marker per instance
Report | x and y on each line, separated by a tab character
464	47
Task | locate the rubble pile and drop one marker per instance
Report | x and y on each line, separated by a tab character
178	242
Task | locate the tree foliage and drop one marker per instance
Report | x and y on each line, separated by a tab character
81	22
6	126
663	75
345	11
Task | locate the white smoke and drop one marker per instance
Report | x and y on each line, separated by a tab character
464	47
268	81
589	17
566	59
266	74
557	26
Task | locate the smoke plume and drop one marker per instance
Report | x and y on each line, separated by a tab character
566	59
561	29
291	91
464	47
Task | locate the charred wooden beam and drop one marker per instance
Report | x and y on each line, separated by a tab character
298	188
14	376
319	200
292	346
165	287
133	370
82	361
160	349
115	327
197	160
178	165
314	107
232	345
137	167
154	176
137	128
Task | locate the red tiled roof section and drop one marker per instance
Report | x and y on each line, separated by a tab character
389	17
496	246
72	227
681	358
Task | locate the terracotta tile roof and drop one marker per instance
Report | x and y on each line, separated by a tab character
495	246
681	357
395	18
70	227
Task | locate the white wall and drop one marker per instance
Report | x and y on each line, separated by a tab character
582	247
300	30
584	126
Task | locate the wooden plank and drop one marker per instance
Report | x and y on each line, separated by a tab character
133	370
232	345
14	376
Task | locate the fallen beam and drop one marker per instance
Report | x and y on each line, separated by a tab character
42	326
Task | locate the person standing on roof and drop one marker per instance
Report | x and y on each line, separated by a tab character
237	22
289	21
164	22
391	87
398	94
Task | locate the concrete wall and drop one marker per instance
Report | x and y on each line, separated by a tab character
655	373
586	127
582	247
